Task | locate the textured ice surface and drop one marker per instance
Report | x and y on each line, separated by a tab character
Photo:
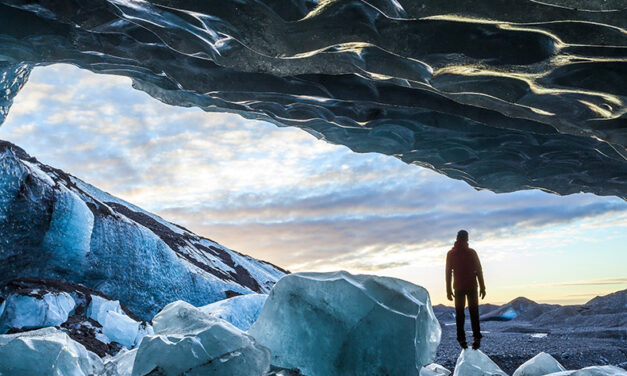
328	324
434	370
121	364
476	363
241	311
56	226
505	95
28	312
45	352
189	340
593	371
116	325
539	365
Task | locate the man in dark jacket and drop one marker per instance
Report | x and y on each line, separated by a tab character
462	264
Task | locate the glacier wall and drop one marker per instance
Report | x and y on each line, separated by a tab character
504	94
56	226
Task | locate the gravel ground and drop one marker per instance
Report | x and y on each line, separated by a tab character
511	345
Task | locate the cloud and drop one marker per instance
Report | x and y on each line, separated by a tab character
592	282
275	193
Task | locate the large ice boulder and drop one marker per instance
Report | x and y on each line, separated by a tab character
191	341
327	324
540	365
593	371
44	352
116	325
29	312
241	311
476	363
434	370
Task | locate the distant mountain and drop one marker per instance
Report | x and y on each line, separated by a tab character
446	314
520	308
603	316
56	226
609	312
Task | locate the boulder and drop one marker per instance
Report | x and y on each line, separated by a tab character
190	341
327	324
241	311
475	363
46	352
540	365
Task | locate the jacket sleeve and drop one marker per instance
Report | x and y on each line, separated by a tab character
449	274
479	271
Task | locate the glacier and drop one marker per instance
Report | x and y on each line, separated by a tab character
85	236
505	95
327	324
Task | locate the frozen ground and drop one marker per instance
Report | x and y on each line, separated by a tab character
509	344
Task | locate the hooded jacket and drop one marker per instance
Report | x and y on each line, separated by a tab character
463	265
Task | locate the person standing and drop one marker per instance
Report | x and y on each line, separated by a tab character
464	267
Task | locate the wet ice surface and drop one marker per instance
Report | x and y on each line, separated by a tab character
539	365
187	340
116	325
241	311
45	352
30	312
327	324
510	95
475	363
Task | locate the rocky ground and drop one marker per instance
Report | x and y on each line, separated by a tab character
510	345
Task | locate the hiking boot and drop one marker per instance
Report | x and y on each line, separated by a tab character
476	343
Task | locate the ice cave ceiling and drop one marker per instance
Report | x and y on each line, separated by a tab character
503	94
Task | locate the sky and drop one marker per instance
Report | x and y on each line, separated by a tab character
281	195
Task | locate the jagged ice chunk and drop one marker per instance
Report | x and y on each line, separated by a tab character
241	311
327	324
44	352
189	340
539	365
476	363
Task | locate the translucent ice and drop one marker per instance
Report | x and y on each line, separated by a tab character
241	311
44	352
28	312
116	325
328	324
121	364
539	365
476	363
593	371
537	105
189	340
434	370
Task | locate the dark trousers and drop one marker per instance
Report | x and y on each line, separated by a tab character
473	309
